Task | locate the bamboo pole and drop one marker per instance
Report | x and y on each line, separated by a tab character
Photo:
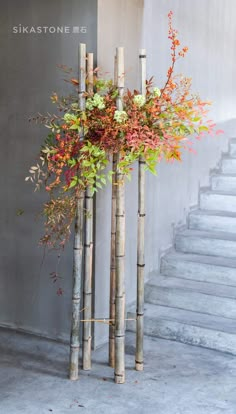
140	239
78	244
120	246
88	252
88	263
113	254
90	72
113	268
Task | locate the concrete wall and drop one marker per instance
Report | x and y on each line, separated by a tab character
28	298
207	27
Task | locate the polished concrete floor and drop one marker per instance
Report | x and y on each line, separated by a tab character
178	379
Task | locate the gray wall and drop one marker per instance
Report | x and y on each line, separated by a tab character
28	298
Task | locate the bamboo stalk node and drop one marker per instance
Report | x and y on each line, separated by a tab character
138	366
75	346
76	299
119	379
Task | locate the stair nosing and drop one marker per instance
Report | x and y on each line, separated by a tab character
218	192
210	213
188	257
220	235
216	319
186	289
222	174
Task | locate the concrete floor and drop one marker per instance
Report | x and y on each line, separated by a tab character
178	379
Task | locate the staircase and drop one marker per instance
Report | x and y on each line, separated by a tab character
193	299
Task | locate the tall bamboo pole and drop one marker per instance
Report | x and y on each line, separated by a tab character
120	246
113	254
140	240
78	244
88	251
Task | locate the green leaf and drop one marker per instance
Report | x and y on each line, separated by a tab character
98	185
74	126
203	128
103	180
19	212
73	182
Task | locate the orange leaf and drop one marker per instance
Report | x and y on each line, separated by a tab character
74	81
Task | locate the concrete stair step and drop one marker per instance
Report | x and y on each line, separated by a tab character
188	327
193	300
200	268
204	297
206	243
218	200
232	147
228	165
213	221
223	182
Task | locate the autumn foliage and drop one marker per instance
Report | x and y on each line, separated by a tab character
155	127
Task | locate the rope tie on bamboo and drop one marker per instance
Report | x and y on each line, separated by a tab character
141	265
142	215
105	320
142	56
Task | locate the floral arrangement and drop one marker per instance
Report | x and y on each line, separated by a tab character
79	145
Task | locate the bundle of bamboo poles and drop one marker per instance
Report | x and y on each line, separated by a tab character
83	245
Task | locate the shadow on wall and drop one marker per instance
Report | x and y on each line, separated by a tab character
175	191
